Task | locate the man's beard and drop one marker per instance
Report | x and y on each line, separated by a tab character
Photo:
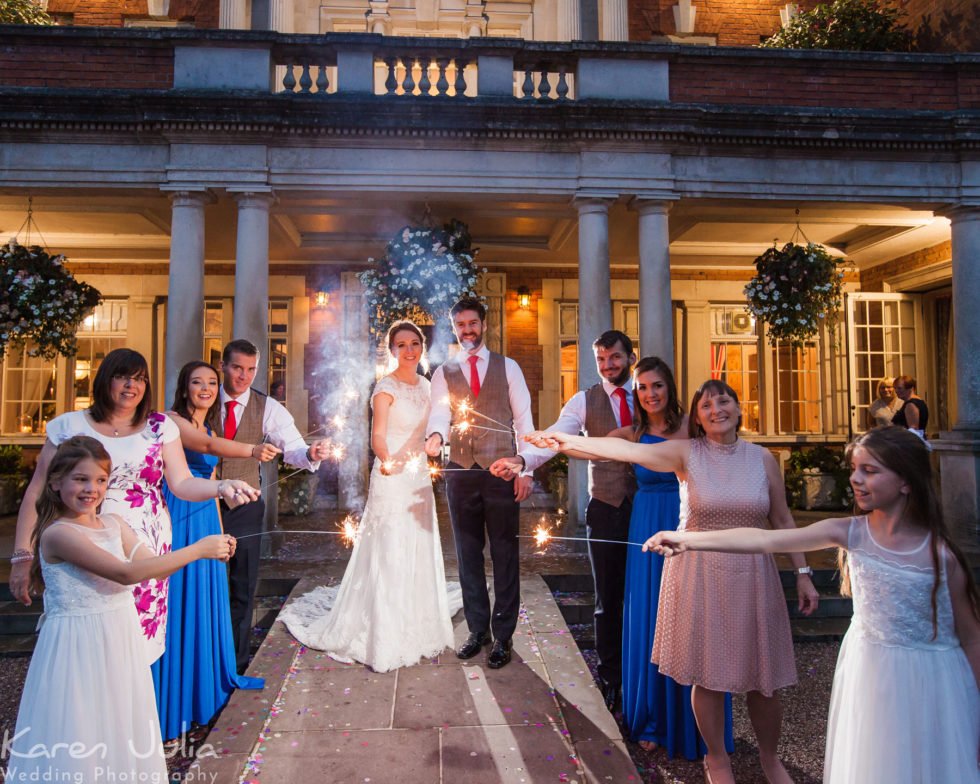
621	379
470	345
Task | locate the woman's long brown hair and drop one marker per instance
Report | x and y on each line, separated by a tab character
673	411
49	506
906	454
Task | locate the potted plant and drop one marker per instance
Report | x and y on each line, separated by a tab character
558	481
13	481
423	272
796	288
42	306
297	491
818	478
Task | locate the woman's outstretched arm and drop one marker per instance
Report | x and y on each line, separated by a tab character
667	456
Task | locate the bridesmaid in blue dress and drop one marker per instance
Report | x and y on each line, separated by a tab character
656	710
196	674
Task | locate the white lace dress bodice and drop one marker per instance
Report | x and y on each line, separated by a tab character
88	683
892	594
393	606
905	707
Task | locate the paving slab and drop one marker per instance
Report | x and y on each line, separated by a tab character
442	721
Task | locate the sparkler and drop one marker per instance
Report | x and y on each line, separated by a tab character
348	529
542	536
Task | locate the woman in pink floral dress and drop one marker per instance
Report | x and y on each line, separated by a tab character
144	446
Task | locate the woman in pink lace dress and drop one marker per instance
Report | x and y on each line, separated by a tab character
722	622
144	446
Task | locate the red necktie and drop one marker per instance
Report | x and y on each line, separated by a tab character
231	426
474	377
625	417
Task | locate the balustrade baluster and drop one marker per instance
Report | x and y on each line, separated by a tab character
391	83
528	87
289	81
424	83
410	77
322	81
305	80
562	84
442	85
544	86
460	76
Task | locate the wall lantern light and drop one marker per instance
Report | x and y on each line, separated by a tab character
523	298
321	299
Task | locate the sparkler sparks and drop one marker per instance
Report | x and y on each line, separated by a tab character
350	529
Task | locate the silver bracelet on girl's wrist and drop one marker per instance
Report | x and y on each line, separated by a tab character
802	571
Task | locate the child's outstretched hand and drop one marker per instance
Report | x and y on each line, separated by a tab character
220	547
666	543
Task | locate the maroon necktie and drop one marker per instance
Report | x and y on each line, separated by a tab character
625	417
231	426
474	377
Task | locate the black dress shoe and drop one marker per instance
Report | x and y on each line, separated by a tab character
610	695
473	644
499	654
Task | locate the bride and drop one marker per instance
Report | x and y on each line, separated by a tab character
392	607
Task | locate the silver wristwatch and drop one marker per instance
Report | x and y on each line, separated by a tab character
804	570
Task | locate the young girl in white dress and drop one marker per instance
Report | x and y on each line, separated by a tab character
87	712
393	606
905	706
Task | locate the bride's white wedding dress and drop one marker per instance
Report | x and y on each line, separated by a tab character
393	606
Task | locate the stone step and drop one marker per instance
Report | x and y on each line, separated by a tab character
17	619
819	629
265	609
16	645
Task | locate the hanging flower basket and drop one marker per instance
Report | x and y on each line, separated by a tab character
41	303
423	273
795	290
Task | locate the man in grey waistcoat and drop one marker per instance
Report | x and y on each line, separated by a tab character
252	417
597	411
482	506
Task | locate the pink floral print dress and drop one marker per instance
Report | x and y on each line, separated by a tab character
135	495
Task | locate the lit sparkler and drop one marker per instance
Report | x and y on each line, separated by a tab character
350	529
542	537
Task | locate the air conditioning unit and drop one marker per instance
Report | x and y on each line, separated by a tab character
738	322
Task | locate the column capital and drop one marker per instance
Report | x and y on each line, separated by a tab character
188	197
255	198
960	212
651	206
587	204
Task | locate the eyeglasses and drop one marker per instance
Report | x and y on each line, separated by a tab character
138	379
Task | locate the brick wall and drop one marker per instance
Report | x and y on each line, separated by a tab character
873	279
203	14
105	63
735	22
807	81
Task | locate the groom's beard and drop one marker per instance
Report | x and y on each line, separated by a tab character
471	343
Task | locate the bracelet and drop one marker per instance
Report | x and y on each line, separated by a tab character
804	571
218	493
21	556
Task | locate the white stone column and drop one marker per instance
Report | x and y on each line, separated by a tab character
231	15
594	298
594	318
569	20
959	449
656	313
281	16
251	319
615	21
185	300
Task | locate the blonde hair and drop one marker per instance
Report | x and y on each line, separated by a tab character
49	504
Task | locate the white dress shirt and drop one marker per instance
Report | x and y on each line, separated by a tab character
278	427
571	420
440	416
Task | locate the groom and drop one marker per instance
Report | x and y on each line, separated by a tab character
481	505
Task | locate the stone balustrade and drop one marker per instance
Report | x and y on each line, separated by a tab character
357	65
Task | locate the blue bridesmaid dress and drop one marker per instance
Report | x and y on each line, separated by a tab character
196	674
655	708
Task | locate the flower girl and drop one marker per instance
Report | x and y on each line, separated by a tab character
905	705
87	712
